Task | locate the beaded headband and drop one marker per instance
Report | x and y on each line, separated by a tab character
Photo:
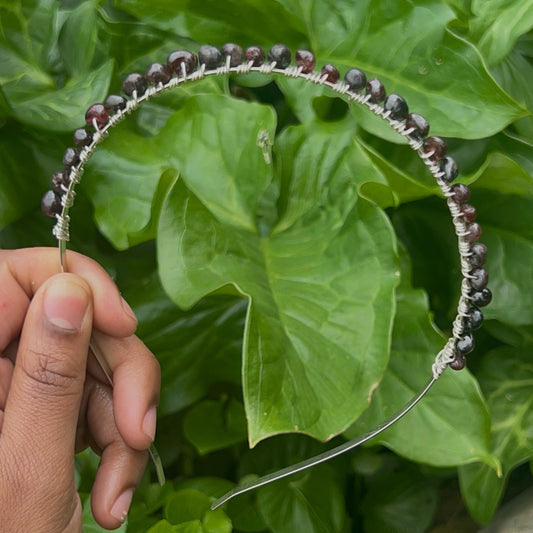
183	66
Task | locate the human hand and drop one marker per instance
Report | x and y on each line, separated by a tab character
54	400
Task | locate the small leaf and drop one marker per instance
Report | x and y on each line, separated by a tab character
401	500
163	526
497	24
190	509
211	425
311	502
506	376
186	505
79	36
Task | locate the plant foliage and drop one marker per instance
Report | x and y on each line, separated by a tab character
292	265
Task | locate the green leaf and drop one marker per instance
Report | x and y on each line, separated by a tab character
196	348
28	28
163	526
510	241
79	36
398	501
450	426
15	187
130	173
186	505
212	425
515	74
252	21
308	282
311	502
506	376
64	108
191	509
440	75
497	24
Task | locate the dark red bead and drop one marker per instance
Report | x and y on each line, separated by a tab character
158	73
468	213
376	90
449	167
210	56
480	279
134	83
97	113
51	204
460	193
474	319
465	344
473	232
235	53
397	106
178	58
481	298
306	60
256	55
436	147
419	124
59	180
280	54
115	102
82	137
478	254
459	362
331	73
71	157
355	79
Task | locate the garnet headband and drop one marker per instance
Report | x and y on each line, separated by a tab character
183	67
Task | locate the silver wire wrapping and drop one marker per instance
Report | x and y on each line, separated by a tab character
442	359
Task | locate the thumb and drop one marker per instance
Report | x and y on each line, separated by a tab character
43	404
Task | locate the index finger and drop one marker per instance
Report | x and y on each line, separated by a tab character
23	271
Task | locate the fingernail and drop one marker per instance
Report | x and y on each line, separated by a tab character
149	423
128	310
122	505
65	304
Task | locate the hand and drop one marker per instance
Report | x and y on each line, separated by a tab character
55	400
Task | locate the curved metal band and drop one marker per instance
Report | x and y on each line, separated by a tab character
443	358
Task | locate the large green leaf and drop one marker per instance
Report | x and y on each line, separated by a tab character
441	75
451	424
217	23
329	265
506	376
497	24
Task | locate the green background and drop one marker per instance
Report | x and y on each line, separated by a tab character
297	300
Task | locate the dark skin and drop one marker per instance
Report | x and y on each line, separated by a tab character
55	400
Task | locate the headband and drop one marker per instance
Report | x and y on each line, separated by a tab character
182	67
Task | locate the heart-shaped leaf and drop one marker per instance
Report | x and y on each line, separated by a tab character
320	285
